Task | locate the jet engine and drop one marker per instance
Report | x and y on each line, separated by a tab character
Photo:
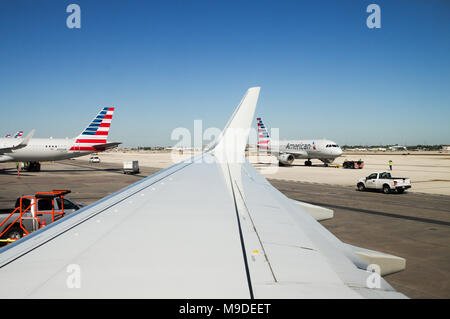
285	159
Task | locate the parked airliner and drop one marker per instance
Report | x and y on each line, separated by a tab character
286	151
32	151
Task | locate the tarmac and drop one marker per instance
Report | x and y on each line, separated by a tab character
429	171
413	225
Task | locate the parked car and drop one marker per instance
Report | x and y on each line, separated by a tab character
94	159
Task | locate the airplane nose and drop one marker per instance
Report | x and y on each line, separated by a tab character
339	151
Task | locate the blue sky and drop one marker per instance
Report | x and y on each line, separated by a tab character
164	64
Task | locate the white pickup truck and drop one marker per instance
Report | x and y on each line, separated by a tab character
384	181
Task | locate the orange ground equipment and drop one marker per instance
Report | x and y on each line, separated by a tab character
353	164
28	204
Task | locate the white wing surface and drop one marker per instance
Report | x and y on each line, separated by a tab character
210	227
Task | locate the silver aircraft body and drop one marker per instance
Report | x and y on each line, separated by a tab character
288	150
208	227
35	150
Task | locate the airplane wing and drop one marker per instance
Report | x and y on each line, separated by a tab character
19	145
208	227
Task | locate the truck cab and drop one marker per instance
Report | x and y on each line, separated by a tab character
44	207
32	212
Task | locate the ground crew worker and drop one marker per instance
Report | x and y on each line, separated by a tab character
390	165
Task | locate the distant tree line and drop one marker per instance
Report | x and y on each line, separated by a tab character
145	148
413	147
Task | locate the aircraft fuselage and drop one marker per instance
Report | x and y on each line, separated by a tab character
324	150
42	149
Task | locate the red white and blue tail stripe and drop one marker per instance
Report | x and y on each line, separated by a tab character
18	134
96	133
263	135
8	135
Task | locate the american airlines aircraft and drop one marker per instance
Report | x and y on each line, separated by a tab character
92	139
286	151
208	227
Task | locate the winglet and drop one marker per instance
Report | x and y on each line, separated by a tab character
230	145
24	141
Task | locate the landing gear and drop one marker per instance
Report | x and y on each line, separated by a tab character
32	166
308	163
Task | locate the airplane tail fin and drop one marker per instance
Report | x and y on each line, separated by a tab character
263	135
18	134
96	132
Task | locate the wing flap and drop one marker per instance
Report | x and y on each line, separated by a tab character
388	264
317	212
